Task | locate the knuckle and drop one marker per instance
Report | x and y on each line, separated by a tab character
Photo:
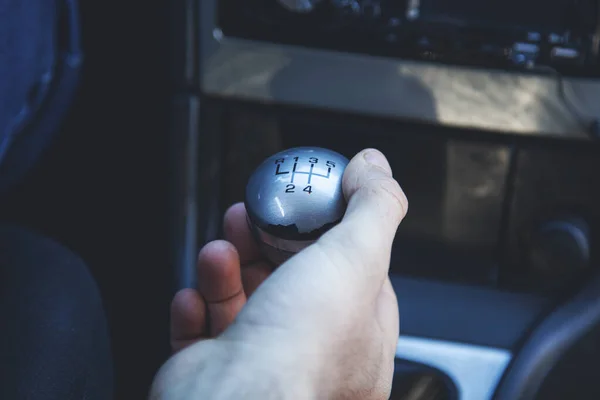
389	189
350	256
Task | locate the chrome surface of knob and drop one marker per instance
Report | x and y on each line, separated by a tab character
300	6
293	197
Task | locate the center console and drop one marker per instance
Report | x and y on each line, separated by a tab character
489	118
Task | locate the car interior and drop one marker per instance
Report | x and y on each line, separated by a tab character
174	104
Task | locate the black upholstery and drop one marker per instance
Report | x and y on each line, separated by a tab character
54	339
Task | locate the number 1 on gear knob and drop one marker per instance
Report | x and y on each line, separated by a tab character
293	197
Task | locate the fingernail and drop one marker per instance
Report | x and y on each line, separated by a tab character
375	157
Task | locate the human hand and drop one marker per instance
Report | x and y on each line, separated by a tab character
323	325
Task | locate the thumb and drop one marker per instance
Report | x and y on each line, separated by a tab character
354	256
376	206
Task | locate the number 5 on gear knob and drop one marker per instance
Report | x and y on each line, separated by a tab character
294	197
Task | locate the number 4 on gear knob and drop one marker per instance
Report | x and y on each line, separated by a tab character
294	197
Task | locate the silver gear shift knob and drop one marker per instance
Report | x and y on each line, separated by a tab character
294	197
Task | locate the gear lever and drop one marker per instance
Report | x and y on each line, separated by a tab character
294	197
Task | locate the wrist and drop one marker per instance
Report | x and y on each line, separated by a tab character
189	372
273	371
224	370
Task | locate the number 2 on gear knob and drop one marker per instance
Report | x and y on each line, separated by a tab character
293	197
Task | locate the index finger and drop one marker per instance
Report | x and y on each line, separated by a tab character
237	232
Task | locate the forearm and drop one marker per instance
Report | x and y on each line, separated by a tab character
212	371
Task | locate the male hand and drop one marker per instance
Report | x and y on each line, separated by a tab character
323	325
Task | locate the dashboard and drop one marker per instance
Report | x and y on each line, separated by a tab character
489	118
498	34
247	53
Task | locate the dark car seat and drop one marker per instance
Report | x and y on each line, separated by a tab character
54	341
40	63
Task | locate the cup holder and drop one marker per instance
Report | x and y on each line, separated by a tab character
414	381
